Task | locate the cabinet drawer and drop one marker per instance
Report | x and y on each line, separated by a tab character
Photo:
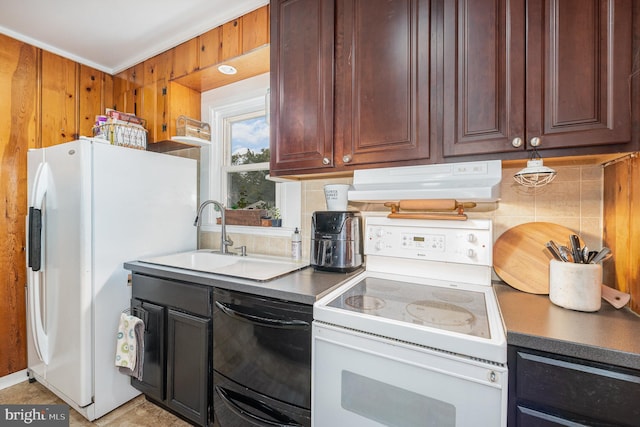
183	296
578	387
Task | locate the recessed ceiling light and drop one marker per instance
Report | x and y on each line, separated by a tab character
227	69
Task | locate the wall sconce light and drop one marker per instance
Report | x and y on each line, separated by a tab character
536	174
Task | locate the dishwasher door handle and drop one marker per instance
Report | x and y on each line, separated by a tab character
228	396
262	321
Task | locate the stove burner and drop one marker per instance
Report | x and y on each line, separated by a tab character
364	302
442	315
455	297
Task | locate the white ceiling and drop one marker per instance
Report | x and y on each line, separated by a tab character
115	34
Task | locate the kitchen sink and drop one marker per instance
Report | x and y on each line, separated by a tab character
253	267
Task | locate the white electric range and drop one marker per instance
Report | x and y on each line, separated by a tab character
417	338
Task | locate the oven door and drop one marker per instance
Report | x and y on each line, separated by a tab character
364	380
237	406
264	344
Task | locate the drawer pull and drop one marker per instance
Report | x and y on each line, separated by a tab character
262	321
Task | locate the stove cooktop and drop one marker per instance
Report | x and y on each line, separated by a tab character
449	309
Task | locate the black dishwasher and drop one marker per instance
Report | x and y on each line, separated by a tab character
261	360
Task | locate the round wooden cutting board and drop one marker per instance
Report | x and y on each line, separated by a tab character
520	256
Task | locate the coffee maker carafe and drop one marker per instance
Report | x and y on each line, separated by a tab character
336	243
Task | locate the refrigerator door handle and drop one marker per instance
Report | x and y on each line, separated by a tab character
40	338
39	190
34	227
34	262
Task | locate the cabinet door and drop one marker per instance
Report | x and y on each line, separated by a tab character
153	374
184	58
255	29
382	81
484	76
301	84
188	375
548	69
209	47
547	389
578	63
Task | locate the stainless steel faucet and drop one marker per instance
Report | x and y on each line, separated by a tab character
224	240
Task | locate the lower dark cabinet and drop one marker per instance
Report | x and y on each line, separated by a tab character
177	371
188	365
153	380
546	389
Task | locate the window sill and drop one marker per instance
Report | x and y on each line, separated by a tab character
247	229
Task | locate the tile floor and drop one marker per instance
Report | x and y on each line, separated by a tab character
136	413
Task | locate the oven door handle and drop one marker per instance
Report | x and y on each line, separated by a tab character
262	321
228	397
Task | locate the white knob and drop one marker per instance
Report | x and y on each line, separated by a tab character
346	158
380	232
516	142
326	161
535	141
471	253
471	237
379	246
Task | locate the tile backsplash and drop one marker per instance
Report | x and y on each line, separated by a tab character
573	200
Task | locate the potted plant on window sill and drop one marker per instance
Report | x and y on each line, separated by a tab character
276	220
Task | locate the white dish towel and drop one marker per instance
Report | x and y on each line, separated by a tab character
130	345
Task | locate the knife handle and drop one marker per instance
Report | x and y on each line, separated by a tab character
575	249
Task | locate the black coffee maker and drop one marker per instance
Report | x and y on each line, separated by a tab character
336	242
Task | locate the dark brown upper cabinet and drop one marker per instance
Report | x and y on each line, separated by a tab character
301	118
547	69
350	84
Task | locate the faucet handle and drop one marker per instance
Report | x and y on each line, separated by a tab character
243	250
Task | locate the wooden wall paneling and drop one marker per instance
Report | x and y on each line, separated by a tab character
107	91
255	29
90	98
231	39
616	222
634	233
18	92
59	99
210	47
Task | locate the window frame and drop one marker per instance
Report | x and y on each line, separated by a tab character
233	100
227	168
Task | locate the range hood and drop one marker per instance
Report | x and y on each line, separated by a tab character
464	182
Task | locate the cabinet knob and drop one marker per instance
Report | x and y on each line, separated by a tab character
535	141
516	142
326	161
346	158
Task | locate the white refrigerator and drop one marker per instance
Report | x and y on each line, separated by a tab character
93	206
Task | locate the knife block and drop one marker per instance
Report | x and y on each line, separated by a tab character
575	286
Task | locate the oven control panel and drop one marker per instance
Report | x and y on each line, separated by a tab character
468	242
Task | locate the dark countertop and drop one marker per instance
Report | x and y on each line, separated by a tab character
533	321
304	286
